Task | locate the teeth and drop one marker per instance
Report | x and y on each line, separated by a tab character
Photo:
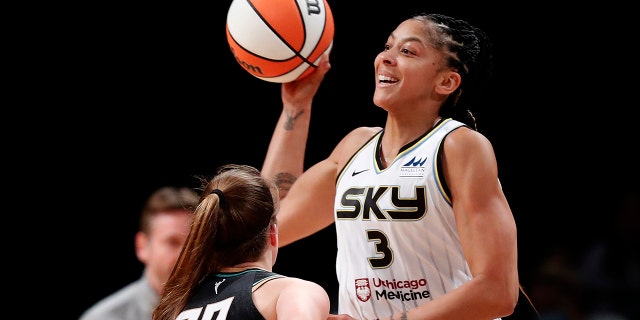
386	78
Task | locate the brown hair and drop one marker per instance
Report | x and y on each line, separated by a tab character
231	225
167	199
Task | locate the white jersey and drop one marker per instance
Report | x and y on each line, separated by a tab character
398	245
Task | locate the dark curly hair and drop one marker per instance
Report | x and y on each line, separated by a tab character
468	50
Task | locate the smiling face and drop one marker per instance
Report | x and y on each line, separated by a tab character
410	72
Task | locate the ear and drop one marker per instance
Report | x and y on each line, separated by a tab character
273	242
449	82
142	247
273	235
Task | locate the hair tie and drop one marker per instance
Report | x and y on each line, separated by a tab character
220	195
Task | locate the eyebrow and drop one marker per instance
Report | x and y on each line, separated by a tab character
408	39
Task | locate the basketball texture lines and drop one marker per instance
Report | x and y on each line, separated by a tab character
279	40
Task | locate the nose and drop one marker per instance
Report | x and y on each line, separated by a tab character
386	58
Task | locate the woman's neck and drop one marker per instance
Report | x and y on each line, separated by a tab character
245	266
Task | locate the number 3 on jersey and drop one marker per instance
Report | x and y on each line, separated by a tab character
382	248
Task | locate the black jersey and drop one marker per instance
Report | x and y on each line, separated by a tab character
227	296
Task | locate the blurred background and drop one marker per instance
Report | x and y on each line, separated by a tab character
150	95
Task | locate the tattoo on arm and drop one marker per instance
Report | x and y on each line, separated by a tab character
284	181
288	125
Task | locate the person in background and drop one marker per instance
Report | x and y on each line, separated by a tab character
224	270
164	224
424	230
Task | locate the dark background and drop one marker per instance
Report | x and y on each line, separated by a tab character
149	95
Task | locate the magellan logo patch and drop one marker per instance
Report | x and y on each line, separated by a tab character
414	168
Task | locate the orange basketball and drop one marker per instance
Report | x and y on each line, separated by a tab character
279	40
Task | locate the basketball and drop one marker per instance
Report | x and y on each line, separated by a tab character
279	40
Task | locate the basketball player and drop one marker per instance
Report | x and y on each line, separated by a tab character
424	229
224	270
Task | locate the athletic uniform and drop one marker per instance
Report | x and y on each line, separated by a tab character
227	296
398	246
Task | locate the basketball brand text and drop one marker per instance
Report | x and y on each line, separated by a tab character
250	68
313	7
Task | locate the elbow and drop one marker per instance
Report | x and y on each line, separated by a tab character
508	306
500	305
507	301
504	299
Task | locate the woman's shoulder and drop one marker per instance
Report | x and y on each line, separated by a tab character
353	141
296	298
365	131
464	138
304	291
359	136
293	285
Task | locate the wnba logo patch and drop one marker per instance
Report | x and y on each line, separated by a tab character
363	290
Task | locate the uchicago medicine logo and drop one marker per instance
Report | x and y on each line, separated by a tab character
404	290
363	291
